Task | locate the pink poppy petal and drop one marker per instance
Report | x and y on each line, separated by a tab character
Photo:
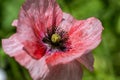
67	22
37	68
29	28
40	14
86	34
11	47
87	60
69	71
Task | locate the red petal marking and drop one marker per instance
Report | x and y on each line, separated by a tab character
34	49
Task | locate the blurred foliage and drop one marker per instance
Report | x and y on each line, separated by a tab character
107	55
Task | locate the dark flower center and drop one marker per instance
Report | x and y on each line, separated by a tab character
56	38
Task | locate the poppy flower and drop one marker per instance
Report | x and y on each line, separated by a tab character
52	44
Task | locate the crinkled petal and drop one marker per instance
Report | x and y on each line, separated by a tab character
67	22
85	35
11	47
40	14
47	12
87	60
68	71
37	68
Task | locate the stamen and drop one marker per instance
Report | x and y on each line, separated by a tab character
55	38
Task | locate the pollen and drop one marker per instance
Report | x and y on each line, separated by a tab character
55	38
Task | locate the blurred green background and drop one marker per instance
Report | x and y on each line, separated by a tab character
107	55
